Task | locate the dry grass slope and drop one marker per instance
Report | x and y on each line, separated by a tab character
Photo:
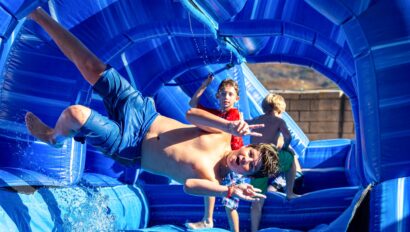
279	76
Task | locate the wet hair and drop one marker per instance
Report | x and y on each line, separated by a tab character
269	159
273	102
229	82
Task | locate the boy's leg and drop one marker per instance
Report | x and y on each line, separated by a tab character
297	164
209	205
233	219
256	214
290	181
256	206
87	63
100	132
70	121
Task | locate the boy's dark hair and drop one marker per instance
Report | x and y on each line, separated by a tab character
269	159
229	82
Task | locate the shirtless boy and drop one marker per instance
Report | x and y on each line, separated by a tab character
197	155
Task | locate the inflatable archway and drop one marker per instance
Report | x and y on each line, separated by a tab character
166	48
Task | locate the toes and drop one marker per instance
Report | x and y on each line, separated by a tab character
29	114
30	120
27	119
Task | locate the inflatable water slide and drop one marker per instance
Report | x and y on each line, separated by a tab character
166	48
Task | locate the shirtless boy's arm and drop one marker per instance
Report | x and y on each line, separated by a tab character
212	123
204	187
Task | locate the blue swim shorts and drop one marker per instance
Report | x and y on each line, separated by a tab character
229	179
130	116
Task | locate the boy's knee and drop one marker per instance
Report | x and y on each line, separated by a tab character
77	113
91	68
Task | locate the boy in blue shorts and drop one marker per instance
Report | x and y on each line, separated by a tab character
198	155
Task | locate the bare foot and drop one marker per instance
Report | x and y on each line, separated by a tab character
205	224
40	130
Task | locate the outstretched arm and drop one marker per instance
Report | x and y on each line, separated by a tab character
204	187
195	98
87	63
212	123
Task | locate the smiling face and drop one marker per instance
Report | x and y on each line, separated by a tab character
227	97
245	161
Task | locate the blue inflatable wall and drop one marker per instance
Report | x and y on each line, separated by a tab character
166	48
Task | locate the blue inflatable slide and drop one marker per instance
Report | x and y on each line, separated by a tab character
166	48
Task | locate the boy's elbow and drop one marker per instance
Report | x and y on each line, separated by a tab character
189	186
188	114
191	113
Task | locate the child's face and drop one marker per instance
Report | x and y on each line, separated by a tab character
245	161
227	97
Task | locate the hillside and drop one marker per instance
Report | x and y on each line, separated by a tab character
279	76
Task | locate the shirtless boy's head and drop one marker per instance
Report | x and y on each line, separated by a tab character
254	160
269	159
273	102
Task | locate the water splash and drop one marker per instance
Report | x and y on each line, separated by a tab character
84	209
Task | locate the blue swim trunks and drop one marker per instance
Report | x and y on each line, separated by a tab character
130	116
231	178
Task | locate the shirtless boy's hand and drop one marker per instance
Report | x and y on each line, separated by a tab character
247	192
241	128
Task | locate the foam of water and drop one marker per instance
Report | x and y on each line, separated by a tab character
84	209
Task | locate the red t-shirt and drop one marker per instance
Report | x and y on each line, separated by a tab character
230	115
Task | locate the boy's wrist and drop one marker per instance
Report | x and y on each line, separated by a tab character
231	189
230	127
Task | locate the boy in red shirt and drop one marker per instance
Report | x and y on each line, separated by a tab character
227	95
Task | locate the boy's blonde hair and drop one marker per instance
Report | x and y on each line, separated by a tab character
273	102
229	82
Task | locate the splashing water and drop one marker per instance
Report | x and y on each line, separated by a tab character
85	209
82	207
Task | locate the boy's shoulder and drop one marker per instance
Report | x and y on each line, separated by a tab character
255	119
276	118
268	120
